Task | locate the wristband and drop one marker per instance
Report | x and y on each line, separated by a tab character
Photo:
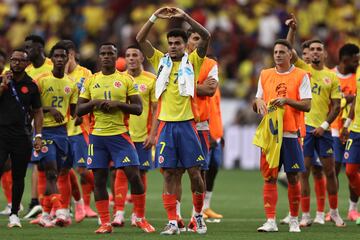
153	18
347	123
39	135
325	125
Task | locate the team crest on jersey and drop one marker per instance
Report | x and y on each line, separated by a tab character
117	84
327	81
44	149
89	161
142	88
346	155
161	159
67	90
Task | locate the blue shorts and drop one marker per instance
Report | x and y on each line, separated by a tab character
352	149
315	161
204	136
291	155
55	146
119	149
144	155
178	145
322	145
78	151
215	155
339	149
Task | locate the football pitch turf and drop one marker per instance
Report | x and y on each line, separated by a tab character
237	195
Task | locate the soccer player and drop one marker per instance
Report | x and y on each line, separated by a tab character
205	88
40	64
109	96
178	144
59	98
142	128
289	87
352	145
6	179
19	99
315	166
215	153
346	72
326	107
78	138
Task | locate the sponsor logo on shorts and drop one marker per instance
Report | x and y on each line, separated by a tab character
330	151
295	166
81	160
346	155
44	149
126	160
200	158
89	161
161	159
146	164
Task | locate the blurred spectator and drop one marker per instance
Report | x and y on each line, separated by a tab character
242	31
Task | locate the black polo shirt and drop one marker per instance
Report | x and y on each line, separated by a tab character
13	120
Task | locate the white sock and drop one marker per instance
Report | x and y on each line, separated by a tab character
207	200
118	212
306	214
334	212
352	205
178	208
173	222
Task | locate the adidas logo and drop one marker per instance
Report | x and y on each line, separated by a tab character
267	205
200	158
126	160
82	160
50	89
329	151
295	166
146	164
97	86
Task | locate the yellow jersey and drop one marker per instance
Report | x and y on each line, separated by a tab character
355	125
58	93
269	135
325	86
171	105
35	73
117	87
139	126
78	76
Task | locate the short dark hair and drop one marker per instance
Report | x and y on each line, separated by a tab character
20	50
177	32
135	46
35	38
70	45
316	41
305	44
3	54
108	43
57	46
348	49
283	42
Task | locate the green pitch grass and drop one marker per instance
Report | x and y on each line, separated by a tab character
238	196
